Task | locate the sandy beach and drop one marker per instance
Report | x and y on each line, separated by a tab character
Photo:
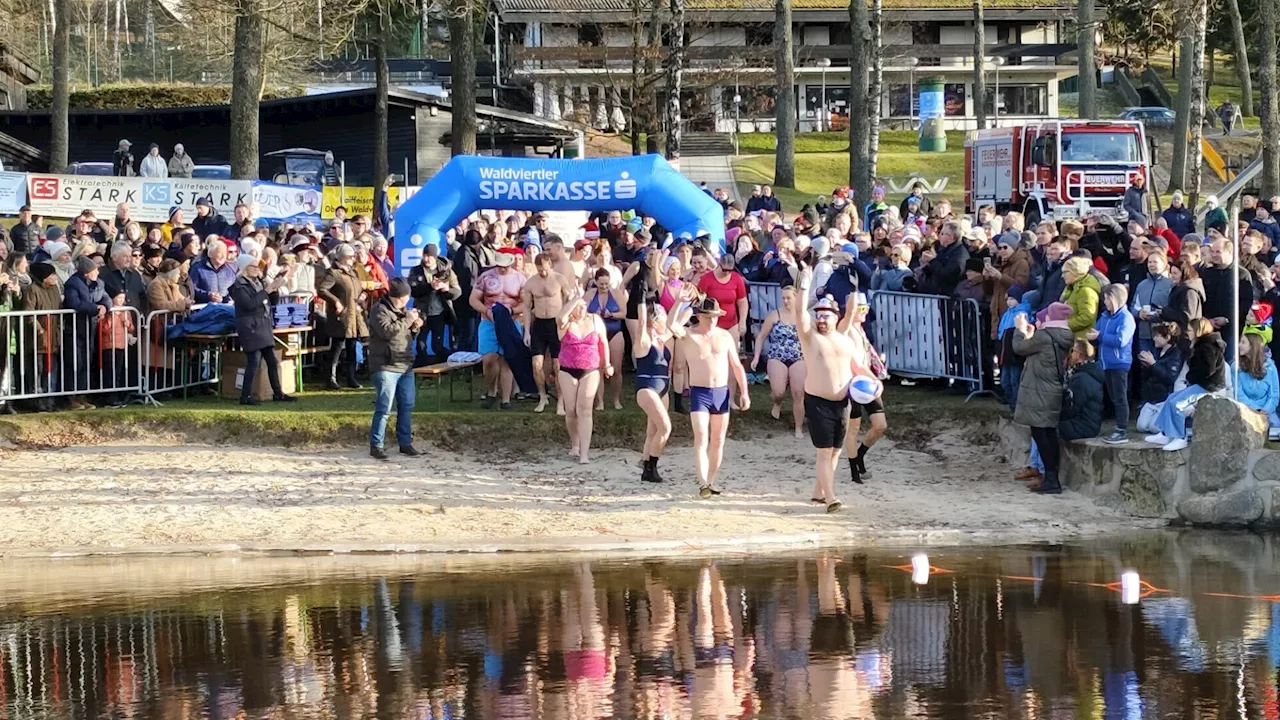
139	498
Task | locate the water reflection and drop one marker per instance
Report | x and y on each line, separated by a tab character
995	633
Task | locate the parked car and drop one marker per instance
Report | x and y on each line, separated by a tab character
89	168
1154	117
216	172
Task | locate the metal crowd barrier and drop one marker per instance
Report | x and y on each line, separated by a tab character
65	353
931	336
762	299
173	365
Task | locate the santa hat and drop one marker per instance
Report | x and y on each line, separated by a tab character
592	230
511	251
1262	312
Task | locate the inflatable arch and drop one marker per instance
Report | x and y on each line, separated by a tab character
644	183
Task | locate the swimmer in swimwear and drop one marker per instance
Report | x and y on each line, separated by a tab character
711	355
583	355
786	361
865	356
542	300
653	336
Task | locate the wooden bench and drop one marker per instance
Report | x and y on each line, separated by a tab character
440	370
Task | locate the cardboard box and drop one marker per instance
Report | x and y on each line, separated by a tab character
232	379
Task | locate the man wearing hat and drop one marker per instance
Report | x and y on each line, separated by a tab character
392	327
434	287
154	166
207	222
1181	220
83	293
499	285
25	235
174	227
122	160
712	357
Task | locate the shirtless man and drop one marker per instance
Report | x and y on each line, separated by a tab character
873	411
541	301
553	247
711	355
578	261
499	285
828	356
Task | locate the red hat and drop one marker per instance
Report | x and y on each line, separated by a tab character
511	251
592	230
1262	312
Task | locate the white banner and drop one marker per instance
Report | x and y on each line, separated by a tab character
149	199
295	203
13	192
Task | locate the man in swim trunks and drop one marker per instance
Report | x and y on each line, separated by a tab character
711	355
541	300
828	357
873	412
499	285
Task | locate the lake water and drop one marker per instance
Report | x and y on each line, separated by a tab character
974	632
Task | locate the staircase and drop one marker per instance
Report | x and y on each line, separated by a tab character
705	144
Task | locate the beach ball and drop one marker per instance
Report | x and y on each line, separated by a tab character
865	389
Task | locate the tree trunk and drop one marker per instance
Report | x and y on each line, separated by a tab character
635	95
462	62
1241	54
1200	20
1182	108
784	160
875	88
380	113
653	38
1269	11
675	80
859	120
59	134
1086	34
979	63
1210	70
246	89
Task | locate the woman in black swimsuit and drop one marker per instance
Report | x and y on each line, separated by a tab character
649	347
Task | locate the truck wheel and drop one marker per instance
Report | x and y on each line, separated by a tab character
1032	216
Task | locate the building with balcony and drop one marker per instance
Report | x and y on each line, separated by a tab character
575	58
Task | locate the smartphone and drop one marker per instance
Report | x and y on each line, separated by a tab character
986	262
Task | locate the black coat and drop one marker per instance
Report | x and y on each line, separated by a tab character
1158	380
253	314
85	297
1082	405
1207	366
1217	292
128	282
1186	303
943	273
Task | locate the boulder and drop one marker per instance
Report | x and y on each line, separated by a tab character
1236	508
1268	468
1225	432
1014	442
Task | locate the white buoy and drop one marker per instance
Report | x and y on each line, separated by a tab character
920	569
1130	587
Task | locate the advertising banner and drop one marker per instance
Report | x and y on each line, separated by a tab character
13	192
359	200
294	203
149	199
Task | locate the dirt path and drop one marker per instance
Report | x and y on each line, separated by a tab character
135	497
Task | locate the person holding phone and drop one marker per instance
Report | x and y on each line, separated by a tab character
392	350
251	296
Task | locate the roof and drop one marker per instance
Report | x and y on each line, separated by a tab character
610	6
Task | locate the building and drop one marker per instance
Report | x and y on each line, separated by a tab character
418	132
575	57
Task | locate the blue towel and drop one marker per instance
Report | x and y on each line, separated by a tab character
514	351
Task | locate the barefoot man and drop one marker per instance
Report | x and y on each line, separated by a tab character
711	354
543	297
828	356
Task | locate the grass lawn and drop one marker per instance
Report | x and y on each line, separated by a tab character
822	163
1226	86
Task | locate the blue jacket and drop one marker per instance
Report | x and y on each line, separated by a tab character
890	279
1268	229
1180	220
1262	395
1115	339
207	280
1011	315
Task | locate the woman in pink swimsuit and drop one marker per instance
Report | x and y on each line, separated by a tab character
584	353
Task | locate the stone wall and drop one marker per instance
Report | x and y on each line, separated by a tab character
1224	478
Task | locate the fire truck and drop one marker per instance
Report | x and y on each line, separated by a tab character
1055	169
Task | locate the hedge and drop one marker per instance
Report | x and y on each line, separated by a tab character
128	97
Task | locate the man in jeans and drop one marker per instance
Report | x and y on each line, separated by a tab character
391	354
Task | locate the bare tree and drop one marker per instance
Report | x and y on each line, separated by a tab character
1086	38
979	63
784	160
59	132
675	79
381	111
1183	102
1270	16
1199	22
859	120
246	89
1241	53
462	63
875	87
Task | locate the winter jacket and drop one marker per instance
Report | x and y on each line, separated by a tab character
1154	291
1081	408
890	279
1052	288
429	301
42	332
941	276
207	225
85	297
966	290
114	331
1207	365
391	346
1158	379
122	163
153	166
253	314
1217	292
1262	394
130	283
341	286
1040	390
871	213
1180	220
207	279
1216	219
167	296
1014	271
1115	339
1007	329
752	266
1082	295
1186	303
25	237
181	166
1134	204
1269	228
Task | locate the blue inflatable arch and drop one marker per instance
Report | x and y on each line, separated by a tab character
646	184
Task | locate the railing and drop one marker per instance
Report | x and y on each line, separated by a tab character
66	353
931	336
173	365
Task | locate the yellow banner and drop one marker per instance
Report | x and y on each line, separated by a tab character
359	200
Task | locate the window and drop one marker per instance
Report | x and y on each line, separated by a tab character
757	103
1019	99
1100	147
758	34
841	34
590	34
837	100
903	101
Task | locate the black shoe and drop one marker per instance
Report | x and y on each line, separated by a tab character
506	406
487	402
284	398
250	401
656	476
409	450
354	385
854	473
862	461
1049	486
332	384
377	453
